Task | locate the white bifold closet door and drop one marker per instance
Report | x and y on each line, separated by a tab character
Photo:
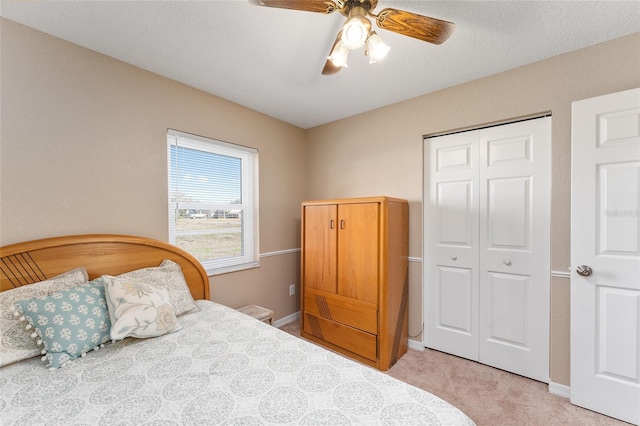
486	245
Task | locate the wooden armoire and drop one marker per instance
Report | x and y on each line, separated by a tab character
354	277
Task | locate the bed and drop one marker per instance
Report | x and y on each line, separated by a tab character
216	366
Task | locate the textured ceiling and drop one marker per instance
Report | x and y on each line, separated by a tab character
270	59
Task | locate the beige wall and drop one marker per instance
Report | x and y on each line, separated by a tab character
380	152
83	150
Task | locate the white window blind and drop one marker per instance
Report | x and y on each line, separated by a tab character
213	203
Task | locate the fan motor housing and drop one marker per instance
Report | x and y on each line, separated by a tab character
346	5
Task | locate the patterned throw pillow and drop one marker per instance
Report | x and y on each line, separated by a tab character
168	275
15	342
138	308
69	322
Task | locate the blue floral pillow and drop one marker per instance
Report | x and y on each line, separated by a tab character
69	322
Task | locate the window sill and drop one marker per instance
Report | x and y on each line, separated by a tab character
234	268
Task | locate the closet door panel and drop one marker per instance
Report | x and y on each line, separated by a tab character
507	227
514	247
455	218
451	244
513	150
509	213
454	296
507	308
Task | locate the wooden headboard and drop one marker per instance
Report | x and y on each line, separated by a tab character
101	254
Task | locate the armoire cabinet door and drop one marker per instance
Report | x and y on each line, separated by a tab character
358	251
320	246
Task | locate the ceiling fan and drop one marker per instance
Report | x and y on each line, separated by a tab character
357	32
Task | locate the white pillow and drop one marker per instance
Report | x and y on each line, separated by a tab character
168	275
138	308
16	343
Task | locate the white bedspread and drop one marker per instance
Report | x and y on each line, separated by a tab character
223	367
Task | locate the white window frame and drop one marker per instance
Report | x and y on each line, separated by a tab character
249	257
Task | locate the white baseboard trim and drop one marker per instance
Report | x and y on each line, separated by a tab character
286	320
560	390
416	345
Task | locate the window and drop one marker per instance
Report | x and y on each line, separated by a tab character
213	209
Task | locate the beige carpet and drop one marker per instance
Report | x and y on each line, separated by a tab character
488	395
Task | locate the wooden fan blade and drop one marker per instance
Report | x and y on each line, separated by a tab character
423	28
329	67
320	6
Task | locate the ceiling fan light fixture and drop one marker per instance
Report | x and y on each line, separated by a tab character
356	30
376	48
339	55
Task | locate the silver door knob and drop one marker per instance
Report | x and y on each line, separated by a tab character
584	270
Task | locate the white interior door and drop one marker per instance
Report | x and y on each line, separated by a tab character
486	245
605	237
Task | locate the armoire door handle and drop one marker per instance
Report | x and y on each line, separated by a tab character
332	224
342	224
